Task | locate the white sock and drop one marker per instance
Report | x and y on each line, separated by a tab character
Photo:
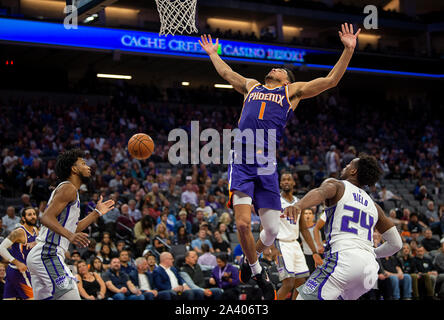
256	268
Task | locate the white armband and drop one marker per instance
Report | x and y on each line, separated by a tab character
392	244
4	249
97	210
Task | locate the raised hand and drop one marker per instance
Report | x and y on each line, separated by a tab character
347	35
207	44
106	206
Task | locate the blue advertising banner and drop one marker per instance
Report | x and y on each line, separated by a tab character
142	42
139	42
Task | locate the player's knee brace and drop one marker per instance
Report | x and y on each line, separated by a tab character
270	224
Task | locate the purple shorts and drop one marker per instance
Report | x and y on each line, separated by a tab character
16	286
262	188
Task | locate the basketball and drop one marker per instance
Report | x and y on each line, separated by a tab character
140	146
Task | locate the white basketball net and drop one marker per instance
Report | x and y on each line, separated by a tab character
177	16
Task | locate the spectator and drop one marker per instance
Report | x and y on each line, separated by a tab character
207	260
183	221
90	284
408	266
105	256
106	239
398	279
2	279
156	197
237	254
143	234
182	237
220	245
198	220
166	278
126	265
415	227
429	242
206	209
133	211
224	232
194	277
169	220
374	194
433	218
196	244
189	196
72	261
143	280
119	284
423	195
387	195
384	288
426	273
10	220
397	222
406	236
120	246
151	259
125	223
161	238
97	266
226	277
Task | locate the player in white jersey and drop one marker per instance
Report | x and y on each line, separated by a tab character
350	268
50	277
292	267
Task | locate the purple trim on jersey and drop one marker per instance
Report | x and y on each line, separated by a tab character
330	223
328	276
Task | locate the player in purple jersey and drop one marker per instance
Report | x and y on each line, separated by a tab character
253	176
15	249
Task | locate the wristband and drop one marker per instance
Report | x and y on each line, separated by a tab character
100	214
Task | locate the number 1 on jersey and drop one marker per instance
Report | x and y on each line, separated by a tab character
261	111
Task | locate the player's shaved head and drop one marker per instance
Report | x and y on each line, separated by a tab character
287	182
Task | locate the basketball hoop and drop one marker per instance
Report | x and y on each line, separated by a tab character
177	16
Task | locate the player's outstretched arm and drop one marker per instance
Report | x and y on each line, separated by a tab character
309	239
239	83
393	241
66	194
304	90
327	190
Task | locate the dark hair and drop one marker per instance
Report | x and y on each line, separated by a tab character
290	75
65	161
223	257
369	171
205	247
27	208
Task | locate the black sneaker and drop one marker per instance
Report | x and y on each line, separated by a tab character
245	271
264	283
